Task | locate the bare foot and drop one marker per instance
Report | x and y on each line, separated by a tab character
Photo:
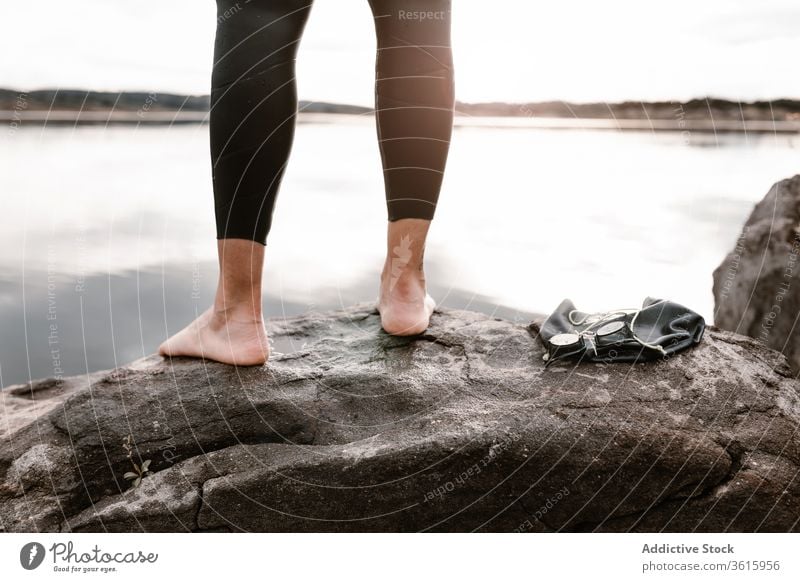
404	303
213	336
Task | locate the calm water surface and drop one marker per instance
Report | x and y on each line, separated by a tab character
108	246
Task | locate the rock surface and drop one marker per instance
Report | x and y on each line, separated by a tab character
459	429
757	286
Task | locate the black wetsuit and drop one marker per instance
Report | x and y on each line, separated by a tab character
254	103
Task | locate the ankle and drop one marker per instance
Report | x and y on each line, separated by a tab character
402	266
405	283
238	313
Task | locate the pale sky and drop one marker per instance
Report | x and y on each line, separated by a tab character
509	50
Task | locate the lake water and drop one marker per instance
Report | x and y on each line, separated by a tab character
108	246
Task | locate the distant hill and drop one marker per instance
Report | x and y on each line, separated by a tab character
706	108
78	100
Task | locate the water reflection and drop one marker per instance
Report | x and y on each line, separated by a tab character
65	325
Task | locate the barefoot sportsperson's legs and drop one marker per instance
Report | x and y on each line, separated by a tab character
252	122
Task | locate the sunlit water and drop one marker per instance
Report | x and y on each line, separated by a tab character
108	241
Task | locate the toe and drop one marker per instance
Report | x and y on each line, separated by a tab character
163	350
170	347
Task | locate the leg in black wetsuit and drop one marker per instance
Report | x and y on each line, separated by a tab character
254	103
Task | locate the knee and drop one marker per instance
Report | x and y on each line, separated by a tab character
414	38
257	38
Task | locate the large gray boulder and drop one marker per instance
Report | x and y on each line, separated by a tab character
459	429
757	286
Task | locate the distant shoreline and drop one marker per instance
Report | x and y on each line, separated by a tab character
182	118
78	107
